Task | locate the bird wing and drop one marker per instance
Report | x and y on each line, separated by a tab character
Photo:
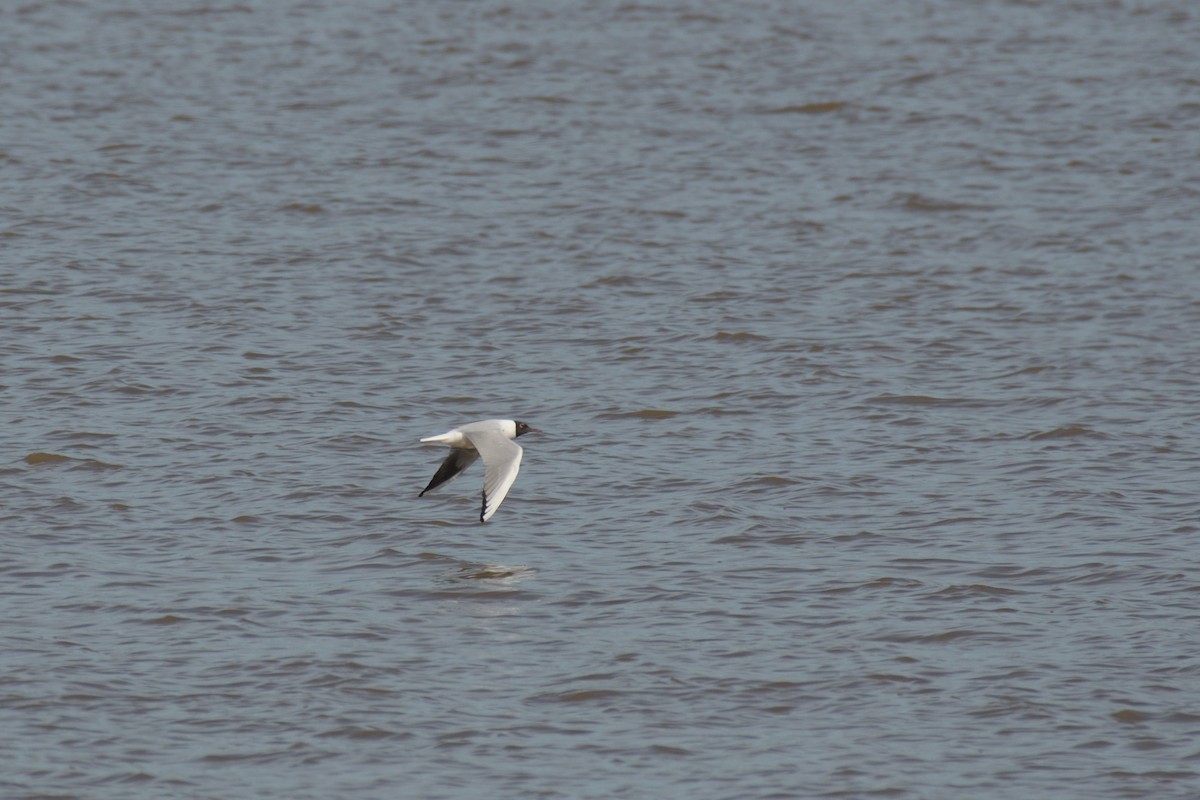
501	461
458	460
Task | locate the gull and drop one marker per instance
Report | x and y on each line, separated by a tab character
492	439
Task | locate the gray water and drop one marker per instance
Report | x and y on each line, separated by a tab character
864	336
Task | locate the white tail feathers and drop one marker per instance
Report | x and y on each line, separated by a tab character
453	438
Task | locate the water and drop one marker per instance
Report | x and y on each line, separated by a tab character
863	334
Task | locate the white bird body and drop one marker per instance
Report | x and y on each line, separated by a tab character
458	436
491	439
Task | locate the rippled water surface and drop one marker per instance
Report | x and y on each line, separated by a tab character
864	336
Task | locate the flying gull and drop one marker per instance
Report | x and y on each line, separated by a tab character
492	439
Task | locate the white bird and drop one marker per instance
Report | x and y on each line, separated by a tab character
492	439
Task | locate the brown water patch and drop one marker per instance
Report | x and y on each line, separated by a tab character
45	458
1064	432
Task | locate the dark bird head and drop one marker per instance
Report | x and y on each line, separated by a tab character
525	427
